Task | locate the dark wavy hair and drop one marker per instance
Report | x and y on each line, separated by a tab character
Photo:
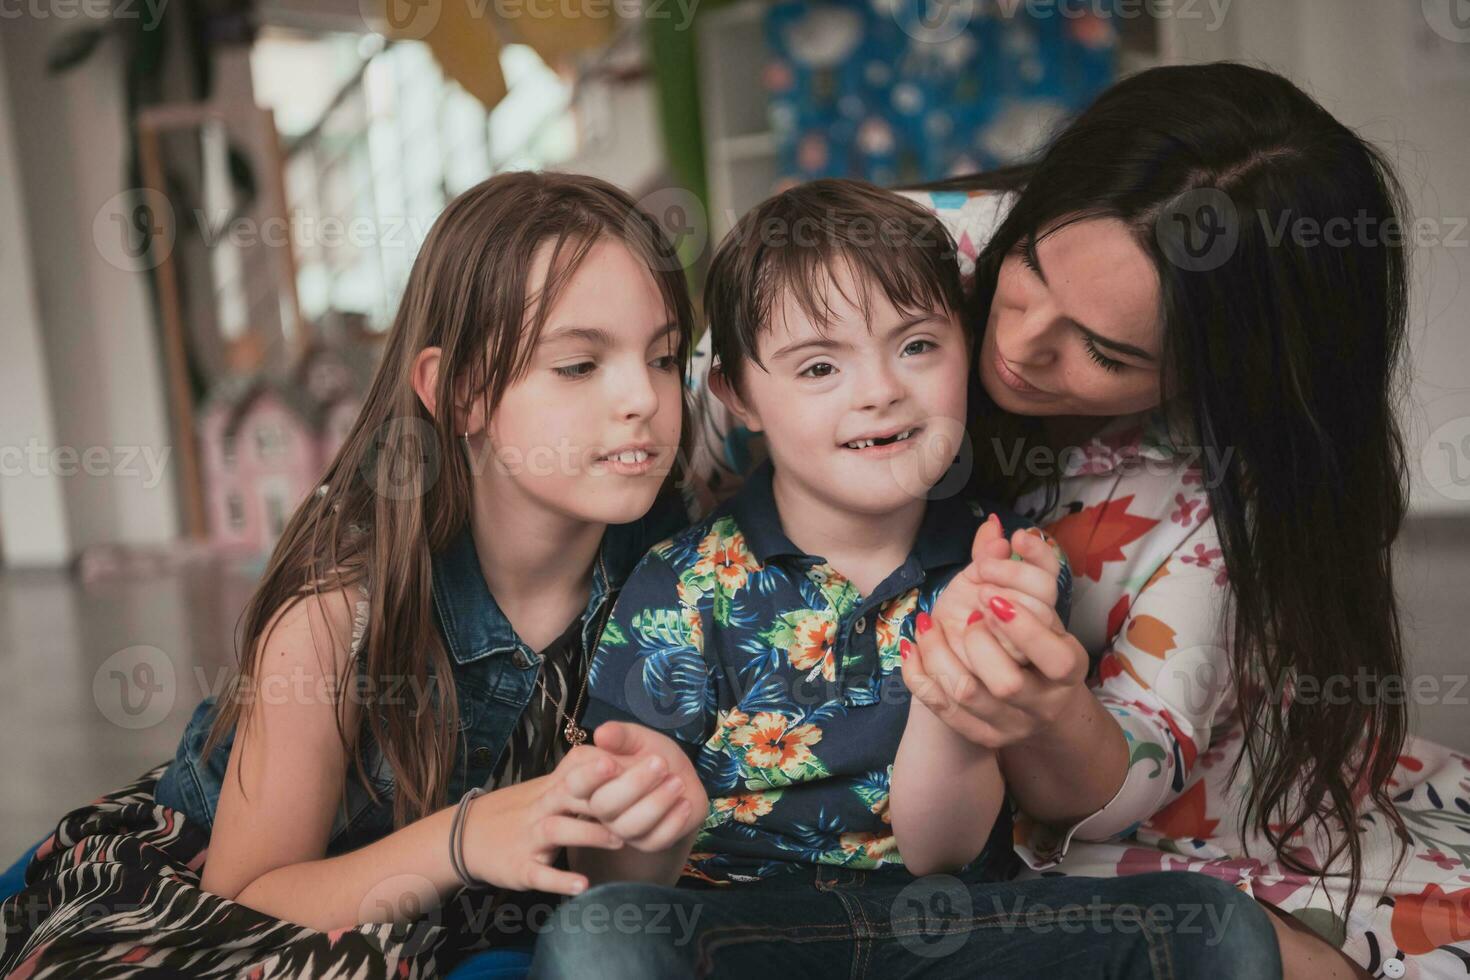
1285	349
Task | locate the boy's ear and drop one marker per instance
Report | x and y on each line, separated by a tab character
727	393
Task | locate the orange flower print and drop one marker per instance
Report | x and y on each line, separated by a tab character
695	623
812	645
1187	817
727	559
890	622
727	724
1433	918
869	845
769	744
744	807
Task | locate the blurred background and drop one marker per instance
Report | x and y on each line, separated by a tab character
208	209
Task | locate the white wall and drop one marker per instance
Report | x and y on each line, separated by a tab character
33	528
99	344
1380	68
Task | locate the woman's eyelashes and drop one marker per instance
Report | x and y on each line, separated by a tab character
912	348
1102	360
1027	250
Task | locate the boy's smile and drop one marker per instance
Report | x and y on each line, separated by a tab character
878	445
862	414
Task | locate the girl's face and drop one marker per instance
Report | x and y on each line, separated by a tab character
1074	328
592	429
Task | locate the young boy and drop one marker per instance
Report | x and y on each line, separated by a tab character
797	791
767	639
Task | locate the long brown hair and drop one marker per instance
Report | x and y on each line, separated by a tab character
1284	359
398	489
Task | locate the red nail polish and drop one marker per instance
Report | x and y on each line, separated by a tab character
923	622
1003	609
975	617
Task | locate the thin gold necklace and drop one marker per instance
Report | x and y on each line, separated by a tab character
573	733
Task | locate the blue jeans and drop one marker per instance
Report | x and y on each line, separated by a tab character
837	922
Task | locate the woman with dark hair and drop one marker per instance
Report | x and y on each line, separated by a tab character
1192	308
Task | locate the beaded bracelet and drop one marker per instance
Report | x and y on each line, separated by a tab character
456	839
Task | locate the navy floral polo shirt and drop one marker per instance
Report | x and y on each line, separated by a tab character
781	682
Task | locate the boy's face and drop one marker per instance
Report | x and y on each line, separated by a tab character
899	378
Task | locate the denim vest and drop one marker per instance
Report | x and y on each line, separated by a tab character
494	674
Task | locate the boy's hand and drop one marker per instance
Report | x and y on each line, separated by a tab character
657	799
1030	582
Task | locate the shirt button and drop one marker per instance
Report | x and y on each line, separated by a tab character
861	624
521	660
482	757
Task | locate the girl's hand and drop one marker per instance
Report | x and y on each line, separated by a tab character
512	836
970	678
657	800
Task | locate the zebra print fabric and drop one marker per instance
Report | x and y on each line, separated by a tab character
536	743
114	892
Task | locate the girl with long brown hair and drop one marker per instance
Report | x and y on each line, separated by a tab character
422	630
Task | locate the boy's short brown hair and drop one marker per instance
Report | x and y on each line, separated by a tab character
794	240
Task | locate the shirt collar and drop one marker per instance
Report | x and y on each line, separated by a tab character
1151	435
944	535
472	622
474	625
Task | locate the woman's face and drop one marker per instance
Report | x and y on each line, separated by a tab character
1074	328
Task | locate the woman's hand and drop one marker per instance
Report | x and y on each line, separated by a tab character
1000	667
980	690
512	836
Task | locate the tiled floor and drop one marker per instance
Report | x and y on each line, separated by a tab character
66	730
99	681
